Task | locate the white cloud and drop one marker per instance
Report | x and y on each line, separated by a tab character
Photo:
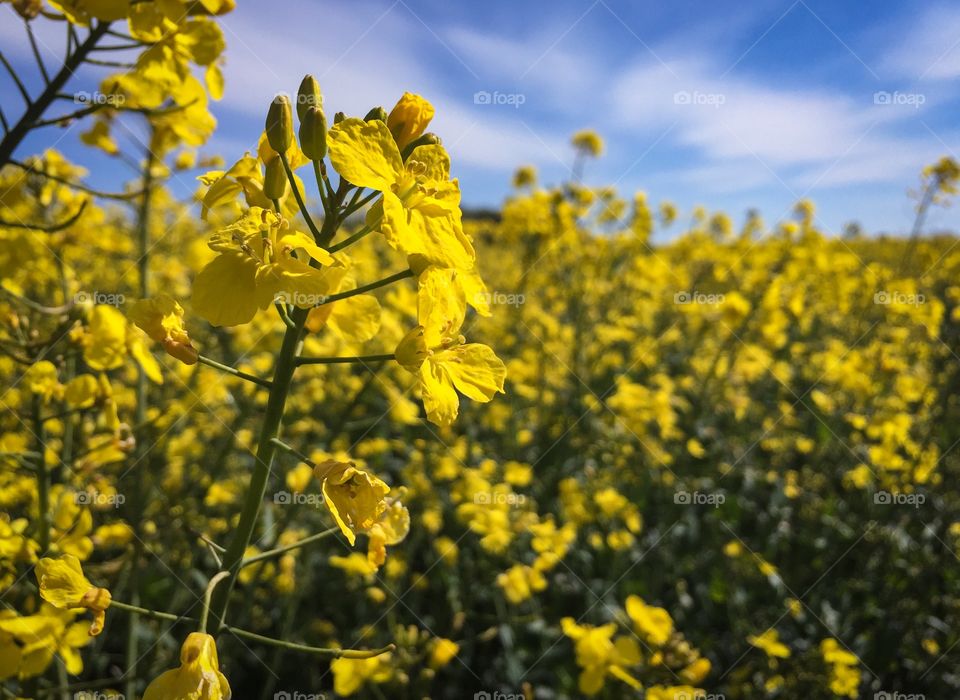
930	49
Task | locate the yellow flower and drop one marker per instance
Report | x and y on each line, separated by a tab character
650	622
354	497
419	211
392	527
198	676
349	675
770	642
161	318
63	585
588	141
442	652
598	654
38	638
41	379
256	266
438	355
520	582
409	119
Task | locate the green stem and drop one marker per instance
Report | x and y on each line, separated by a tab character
367	287
211	585
281	550
327	652
43	479
266	449
299	197
203	360
244	634
318	173
343	360
350	240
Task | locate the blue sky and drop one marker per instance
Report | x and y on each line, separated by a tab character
728	105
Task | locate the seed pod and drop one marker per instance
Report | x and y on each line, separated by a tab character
279	124
313	133
308	96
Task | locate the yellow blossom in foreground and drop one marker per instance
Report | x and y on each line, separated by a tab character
354	497
419	212
257	265
198	676
439	356
161	318
392	528
63	585
598	654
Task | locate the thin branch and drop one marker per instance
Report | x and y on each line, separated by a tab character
266	383
76	185
367	287
48	228
36	52
281	550
16	79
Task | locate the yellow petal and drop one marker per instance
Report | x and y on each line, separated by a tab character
224	291
365	153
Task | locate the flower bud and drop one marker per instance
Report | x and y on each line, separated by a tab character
429	139
279	124
274	179
376	114
308	96
313	133
339	117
